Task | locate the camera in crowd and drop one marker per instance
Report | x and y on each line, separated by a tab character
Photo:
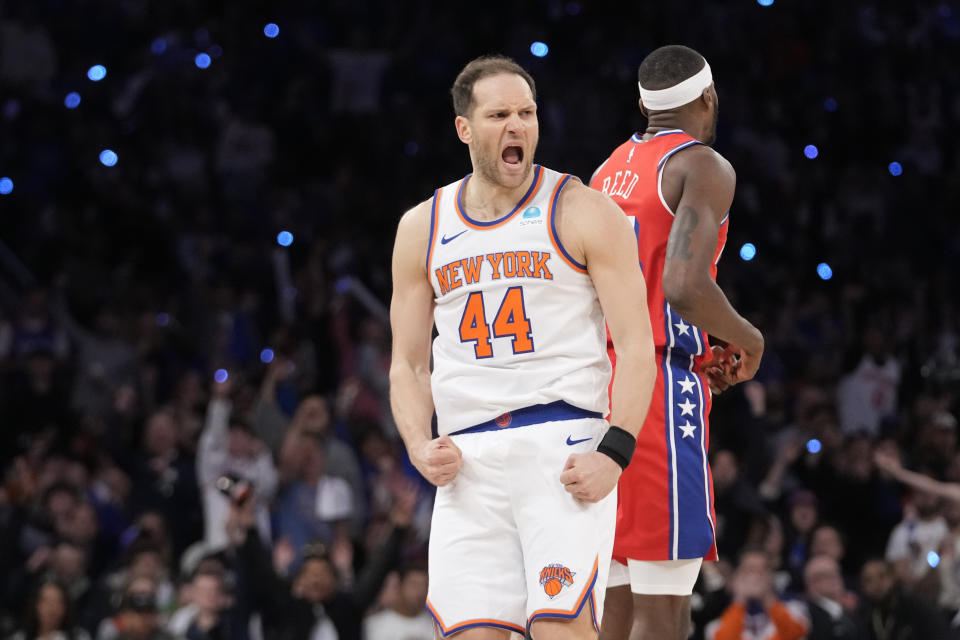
235	488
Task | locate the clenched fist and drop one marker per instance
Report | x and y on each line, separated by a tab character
590	476
438	460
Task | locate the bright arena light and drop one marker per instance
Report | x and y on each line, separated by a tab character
824	271
97	72
221	375
202	60
271	30
811	151
539	49
895	168
748	251
108	158
284	238
813	445
72	101
6	186
764	3
266	356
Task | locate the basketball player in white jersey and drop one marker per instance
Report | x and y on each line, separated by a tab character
517	265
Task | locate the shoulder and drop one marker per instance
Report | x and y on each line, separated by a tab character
413	234
416	217
701	160
578	200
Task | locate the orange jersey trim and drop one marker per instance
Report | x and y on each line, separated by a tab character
433	226
479	622
482	226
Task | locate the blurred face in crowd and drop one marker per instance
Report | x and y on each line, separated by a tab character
240	443
501	129
161	434
316	581
207	592
84	524
69	562
823	580
724	468
51	608
313	415
858	458
927	505
876	580
413	592
754	568
61	504
149	563
139	616
826	541
803	515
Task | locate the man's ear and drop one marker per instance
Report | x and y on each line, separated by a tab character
643	109
708	99
463	130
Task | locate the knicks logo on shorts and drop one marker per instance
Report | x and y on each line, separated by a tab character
555	577
504	420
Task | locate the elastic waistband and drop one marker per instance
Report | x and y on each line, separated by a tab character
534	414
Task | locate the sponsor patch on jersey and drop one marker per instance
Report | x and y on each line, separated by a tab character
532	212
554	577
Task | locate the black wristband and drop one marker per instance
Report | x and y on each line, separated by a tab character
618	445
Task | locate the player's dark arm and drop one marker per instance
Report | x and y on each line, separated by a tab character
707	193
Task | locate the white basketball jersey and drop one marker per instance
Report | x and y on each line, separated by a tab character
518	319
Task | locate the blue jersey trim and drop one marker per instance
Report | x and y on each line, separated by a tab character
681	147
534	414
533	185
553	226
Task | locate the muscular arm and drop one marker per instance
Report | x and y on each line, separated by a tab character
598	232
411	320
707	184
593	228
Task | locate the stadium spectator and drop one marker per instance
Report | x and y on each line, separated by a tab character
756	613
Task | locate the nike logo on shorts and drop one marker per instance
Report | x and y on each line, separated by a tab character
445	239
572	442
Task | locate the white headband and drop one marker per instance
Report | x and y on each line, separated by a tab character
680	93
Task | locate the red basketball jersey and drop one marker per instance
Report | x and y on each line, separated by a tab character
665	507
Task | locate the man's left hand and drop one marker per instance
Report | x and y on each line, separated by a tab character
590	477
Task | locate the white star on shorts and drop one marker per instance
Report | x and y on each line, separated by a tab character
686	409
686	385
688	429
682	327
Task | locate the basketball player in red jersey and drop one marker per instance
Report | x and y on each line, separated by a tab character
676	192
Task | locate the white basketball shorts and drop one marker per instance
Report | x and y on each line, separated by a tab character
508	544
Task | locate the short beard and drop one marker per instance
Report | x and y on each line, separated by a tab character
488	170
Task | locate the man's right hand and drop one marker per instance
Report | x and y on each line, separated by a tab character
438	460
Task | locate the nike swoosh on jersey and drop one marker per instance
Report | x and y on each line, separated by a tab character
445	239
572	442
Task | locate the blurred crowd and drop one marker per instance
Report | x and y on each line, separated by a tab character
195	433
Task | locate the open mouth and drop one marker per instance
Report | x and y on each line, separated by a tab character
513	155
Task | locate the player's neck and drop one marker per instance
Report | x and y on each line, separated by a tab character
668	122
486	200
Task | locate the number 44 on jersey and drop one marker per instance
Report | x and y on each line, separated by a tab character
510	321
